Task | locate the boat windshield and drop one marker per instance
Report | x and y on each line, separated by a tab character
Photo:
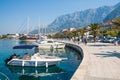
24	46
22	49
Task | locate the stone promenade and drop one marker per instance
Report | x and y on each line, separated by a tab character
101	62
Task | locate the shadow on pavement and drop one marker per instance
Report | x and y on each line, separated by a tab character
108	54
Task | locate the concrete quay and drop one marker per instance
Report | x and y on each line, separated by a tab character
101	61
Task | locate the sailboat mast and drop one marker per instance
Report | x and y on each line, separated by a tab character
27	25
39	28
45	29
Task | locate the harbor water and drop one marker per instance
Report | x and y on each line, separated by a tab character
62	71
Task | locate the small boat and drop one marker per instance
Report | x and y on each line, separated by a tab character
49	43
26	37
34	60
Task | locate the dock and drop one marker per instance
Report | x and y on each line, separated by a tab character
101	61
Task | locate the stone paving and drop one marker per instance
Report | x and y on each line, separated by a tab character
101	62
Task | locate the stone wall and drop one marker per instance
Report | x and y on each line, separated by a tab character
76	48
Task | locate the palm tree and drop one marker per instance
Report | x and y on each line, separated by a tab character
94	29
82	32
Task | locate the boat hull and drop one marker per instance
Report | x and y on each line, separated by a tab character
51	46
49	43
33	62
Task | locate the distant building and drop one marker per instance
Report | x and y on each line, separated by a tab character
108	24
69	30
72	29
12	36
65	30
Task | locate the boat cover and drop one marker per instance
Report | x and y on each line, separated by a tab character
24	46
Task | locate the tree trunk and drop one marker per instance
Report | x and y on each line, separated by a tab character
94	36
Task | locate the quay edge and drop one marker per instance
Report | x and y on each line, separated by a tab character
82	68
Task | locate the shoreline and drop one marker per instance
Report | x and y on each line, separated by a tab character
101	61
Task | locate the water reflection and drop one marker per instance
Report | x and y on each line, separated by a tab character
62	71
53	52
25	42
3	76
35	73
72	54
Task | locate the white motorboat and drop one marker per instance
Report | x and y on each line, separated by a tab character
35	60
49	43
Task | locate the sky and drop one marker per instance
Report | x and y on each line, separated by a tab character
15	14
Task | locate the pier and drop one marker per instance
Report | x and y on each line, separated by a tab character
101	61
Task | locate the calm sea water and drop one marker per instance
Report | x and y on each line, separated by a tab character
62	71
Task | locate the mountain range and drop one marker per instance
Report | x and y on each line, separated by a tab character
84	18
114	14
